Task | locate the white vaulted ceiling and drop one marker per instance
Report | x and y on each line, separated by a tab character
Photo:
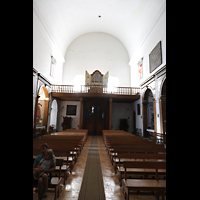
128	20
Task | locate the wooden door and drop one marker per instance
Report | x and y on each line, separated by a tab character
95	116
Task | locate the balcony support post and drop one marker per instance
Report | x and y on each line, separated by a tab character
81	112
110	113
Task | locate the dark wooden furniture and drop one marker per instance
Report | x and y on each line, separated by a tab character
66	123
55	181
123	125
95	115
144	184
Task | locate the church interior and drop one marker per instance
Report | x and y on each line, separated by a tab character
99	83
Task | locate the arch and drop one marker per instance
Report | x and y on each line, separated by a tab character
149	111
54	104
161	86
97	51
44	89
144	92
42	106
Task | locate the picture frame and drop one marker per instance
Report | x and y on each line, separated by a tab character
71	110
140	69
155	57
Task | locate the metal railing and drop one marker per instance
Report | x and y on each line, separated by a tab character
95	89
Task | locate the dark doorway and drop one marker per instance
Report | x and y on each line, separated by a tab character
95	115
149	112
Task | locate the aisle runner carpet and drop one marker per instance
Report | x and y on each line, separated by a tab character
92	185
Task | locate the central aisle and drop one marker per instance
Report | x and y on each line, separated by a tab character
93	177
109	185
92	184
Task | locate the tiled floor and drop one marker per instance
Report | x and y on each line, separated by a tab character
112	189
92	185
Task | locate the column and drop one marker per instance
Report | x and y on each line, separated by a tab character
110	113
157	110
155	115
80	116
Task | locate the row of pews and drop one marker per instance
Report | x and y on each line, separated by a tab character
67	146
139	163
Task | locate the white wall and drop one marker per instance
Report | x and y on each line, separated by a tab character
62	113
122	111
42	52
158	33
96	51
139	122
101	51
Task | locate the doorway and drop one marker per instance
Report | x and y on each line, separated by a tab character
149	112
95	116
42	108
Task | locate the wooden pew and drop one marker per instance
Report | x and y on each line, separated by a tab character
113	153
122	157
68	153
66	145
157	137
68	139
131	139
68	159
64	168
126	140
123	142
157	185
59	140
55	181
115	133
83	132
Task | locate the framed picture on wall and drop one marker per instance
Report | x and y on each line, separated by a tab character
140	72
71	110
155	57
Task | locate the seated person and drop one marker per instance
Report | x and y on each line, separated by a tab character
46	177
44	165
